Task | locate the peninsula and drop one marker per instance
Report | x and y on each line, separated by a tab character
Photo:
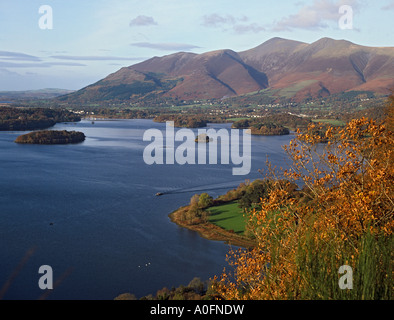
24	119
226	218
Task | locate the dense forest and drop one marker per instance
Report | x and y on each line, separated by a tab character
23	119
51	137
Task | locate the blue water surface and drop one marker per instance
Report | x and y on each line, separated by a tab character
90	212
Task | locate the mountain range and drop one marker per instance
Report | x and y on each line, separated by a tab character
321	68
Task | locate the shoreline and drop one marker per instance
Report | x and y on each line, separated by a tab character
211	231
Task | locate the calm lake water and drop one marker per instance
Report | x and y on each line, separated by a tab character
90	212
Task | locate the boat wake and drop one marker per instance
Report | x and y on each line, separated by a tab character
203	188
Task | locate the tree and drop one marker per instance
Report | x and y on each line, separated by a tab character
205	200
197	285
346	218
193	214
194	200
389	112
254	192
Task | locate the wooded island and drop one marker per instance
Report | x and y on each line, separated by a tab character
51	137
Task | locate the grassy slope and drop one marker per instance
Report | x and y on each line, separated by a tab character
213	231
228	216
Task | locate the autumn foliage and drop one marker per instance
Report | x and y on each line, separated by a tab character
344	218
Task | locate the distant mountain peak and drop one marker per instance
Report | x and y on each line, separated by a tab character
279	39
329	42
297	68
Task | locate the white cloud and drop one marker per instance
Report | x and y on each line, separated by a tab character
169	46
93	58
314	17
8	55
6	64
236	24
245	28
389	6
214	20
142	21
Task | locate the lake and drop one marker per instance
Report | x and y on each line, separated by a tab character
90	212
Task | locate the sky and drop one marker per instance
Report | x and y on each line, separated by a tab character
70	44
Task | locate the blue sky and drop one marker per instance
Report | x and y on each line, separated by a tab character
93	38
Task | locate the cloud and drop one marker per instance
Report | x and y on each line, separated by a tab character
315	16
8	55
10	59
6	72
142	21
214	20
236	24
93	58
69	64
6	64
245	28
390	6
168	46
21	60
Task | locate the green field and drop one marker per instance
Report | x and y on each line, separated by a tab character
333	122
291	91
228	216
